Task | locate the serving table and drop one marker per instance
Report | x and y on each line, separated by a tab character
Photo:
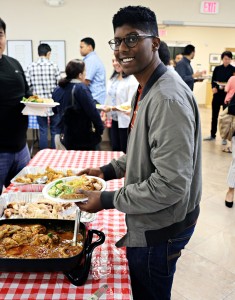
109	264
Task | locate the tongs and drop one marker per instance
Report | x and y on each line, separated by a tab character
76	227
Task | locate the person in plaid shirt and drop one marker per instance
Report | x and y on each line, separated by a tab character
42	76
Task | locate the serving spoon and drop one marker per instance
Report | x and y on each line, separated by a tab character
41	180
76	227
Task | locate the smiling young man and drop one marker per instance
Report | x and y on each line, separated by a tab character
162	166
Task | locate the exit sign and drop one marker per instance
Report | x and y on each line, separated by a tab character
162	32
209	7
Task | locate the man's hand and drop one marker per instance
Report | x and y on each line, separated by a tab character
214	90
93	204
92	172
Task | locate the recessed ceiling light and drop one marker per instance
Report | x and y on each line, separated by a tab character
55	2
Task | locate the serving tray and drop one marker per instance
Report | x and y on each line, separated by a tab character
28	197
35	187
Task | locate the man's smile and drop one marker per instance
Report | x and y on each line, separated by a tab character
126	60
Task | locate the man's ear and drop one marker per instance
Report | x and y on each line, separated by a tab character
156	43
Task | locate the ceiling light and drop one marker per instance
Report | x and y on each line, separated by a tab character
55	2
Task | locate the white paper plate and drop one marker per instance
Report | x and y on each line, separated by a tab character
119	107
40	105
221	83
100	106
67	179
68	213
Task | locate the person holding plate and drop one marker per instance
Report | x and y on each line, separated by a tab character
162	165
220	76
42	76
120	89
185	70
14	152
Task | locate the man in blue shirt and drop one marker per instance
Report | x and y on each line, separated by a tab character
183	67
95	71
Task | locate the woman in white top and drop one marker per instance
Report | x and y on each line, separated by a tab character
120	89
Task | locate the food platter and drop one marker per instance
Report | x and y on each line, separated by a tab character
34	106
23	180
75	267
66	189
17	205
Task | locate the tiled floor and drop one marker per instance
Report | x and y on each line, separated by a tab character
206	270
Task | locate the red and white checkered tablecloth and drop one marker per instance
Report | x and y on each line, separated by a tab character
109	264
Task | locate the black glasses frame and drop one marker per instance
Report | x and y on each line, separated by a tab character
116	43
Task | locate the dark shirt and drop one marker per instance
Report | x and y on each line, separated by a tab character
13	87
83	100
184	69
221	74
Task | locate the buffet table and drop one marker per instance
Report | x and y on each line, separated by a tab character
109	264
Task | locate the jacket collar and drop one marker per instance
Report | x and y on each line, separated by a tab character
158	72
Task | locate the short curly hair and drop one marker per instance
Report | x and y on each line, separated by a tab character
141	17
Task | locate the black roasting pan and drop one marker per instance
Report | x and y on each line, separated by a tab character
75	268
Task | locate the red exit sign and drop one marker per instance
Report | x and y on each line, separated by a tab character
209	7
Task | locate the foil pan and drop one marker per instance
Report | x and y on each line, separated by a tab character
35	187
27	197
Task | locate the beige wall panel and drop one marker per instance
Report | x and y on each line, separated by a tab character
33	19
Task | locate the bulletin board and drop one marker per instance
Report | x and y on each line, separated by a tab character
22	50
57	52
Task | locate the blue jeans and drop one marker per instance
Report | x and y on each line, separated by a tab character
11	164
152	268
43	130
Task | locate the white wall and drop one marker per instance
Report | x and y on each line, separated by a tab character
33	19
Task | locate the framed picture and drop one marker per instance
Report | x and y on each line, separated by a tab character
57	52
212	67
21	50
215	58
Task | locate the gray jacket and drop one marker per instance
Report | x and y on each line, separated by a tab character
162	167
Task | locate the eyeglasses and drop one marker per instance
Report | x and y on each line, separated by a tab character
130	40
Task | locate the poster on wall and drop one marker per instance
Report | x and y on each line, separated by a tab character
21	50
57	52
214	59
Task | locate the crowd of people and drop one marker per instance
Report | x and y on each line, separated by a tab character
161	163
